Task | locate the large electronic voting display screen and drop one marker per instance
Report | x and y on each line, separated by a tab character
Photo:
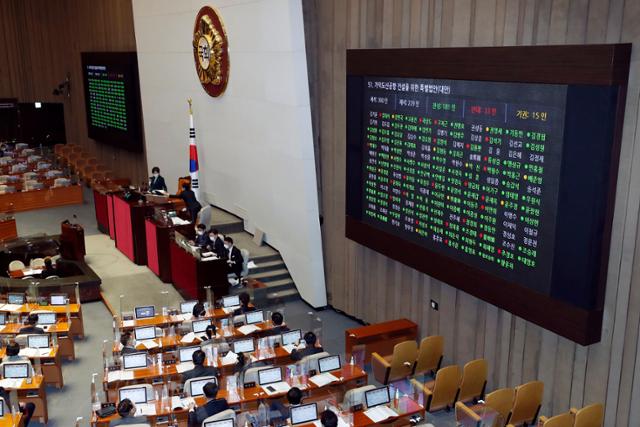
492	184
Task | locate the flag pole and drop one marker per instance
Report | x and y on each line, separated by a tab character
193	154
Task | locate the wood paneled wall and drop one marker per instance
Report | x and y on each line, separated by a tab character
41	40
374	288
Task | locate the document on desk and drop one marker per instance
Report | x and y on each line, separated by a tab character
149	344
181	402
179	221
11	307
145	409
229	310
128	323
380	413
248	329
276	388
289	347
189	338
119	376
230	358
322	380
11	382
184	367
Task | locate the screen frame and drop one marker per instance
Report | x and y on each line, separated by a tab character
130	355
253	345
6	365
272	368
135	311
34	336
146	396
368	392
333	356
599	65
293	407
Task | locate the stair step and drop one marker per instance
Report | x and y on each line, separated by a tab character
267	266
266	258
283	296
271	276
230	227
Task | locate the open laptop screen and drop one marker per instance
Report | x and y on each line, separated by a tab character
135	395
145	312
134	360
269	375
329	363
378	396
303	414
38	341
187	306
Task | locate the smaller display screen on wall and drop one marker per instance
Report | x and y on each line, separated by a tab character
112	98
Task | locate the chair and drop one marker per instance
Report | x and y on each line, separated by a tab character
151	397
355	396
399	365
7	189
526	404
21	339
37	263
501	401
251	374
474	381
562	420
240	319
227	414
61	182
29	176
187	384
204	216
53	276
589	416
441	393
429	355
311	361
16	265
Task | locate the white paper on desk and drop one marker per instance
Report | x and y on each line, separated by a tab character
179	221
128	323
119	376
289	347
29	352
180	402
183	317
230	358
208	254
190	337
184	367
44	352
149	344
322	380
11	307
280	387
251	264
248	329
30	272
145	409
380	413
231	309
11	382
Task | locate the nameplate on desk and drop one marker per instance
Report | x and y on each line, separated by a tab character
356	408
312	372
250	384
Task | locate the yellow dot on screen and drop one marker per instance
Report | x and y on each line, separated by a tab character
486	129
502	202
525	177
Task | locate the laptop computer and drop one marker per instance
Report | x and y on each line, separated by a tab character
16	370
303	414
271	380
196	386
46	319
135	395
254	317
38	341
243	346
185	354
292	337
144	312
13	298
377	397
186	307
231	301
134	360
58	299
145	333
329	363
199	326
221	423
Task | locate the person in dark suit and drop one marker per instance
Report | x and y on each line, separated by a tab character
156	181
189	198
278	324
212	407
310	348
199	370
30	327
234	257
127	344
280	412
328	419
25	408
245	300
49	269
126	410
216	244
202	240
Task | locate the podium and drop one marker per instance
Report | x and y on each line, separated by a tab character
72	241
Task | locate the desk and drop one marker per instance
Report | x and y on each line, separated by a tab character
8	229
50	365
161	321
75	310
38	199
61	330
101	202
190	276
159	238
16	420
35	393
27	271
379	337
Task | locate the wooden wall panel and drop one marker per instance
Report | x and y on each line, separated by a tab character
41	41
371	287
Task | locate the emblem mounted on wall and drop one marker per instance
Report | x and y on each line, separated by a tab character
210	51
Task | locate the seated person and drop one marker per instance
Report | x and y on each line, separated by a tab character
278	323
127	410
245	300
311	348
49	269
234	257
216	245
156	181
126	340
212	407
199	370
25	408
212	340
198	312
30	327
13	353
280	412
328	419
202	240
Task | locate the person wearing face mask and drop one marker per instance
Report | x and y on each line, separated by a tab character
156	181
202	240
216	244
234	257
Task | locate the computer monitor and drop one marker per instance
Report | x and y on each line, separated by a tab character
376	397
145	333
1	411
46	318
198	326
303	414
243	346
135	395
15	298
328	364
221	423
254	317
3	318
186	307
145	312
198	385
15	370
231	301
185	353
269	375
58	299
134	360
291	337
38	341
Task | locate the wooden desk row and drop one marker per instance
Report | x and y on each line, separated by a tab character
39	199
33	390
75	310
50	365
162	321
62	331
